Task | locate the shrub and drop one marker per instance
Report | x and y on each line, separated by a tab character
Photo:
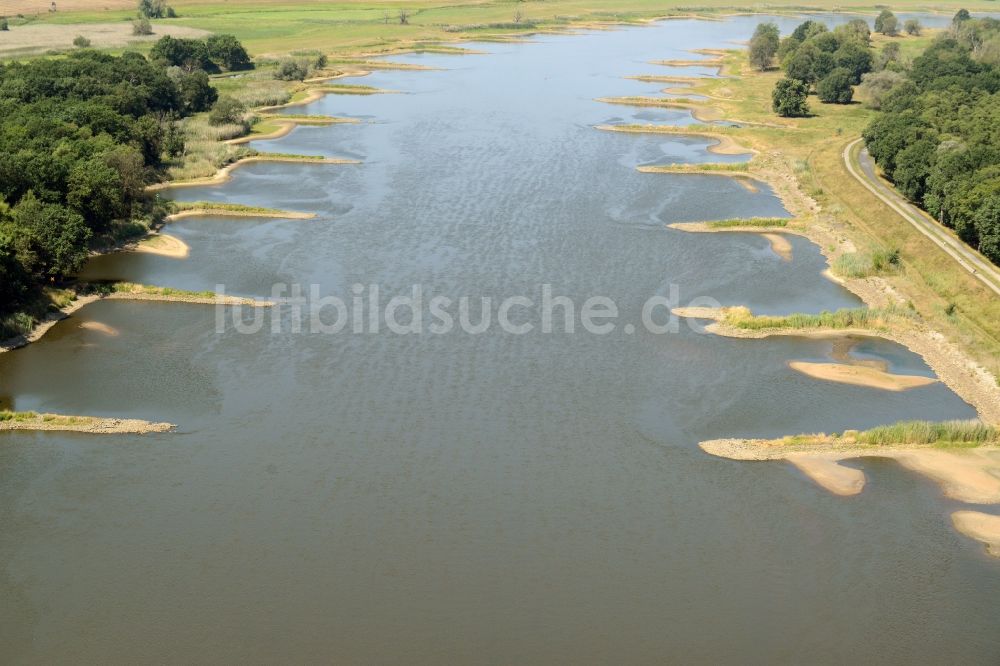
291	70
3	24
227	111
142	26
912	27
81	42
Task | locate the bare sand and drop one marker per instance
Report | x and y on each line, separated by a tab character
99	327
726	145
163	245
779	245
828	473
88	424
859	375
967	475
34	38
775	235
983	527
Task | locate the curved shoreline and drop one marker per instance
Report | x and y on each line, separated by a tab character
970	381
225	173
726	145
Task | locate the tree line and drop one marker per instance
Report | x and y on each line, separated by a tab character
937	135
80	138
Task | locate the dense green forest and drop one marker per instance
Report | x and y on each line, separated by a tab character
80	138
937	136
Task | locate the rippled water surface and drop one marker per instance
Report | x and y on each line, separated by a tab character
474	498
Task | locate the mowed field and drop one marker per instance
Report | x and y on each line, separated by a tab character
268	26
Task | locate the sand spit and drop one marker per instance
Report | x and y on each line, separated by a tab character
967	475
163	245
779	245
225	173
983	527
286	125
859	375
774	235
87	424
827	473
726	144
125	291
700	112
209	211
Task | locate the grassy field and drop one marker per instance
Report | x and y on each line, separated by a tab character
352	26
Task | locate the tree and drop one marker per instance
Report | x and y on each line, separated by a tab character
81	42
789	98
961	16
190	54
875	86
763	45
195	90
227	110
142	26
881	19
3	24
801	64
836	88
858	28
912	27
890	26
155	9
51	240
887	56
855	58
987	222
227	51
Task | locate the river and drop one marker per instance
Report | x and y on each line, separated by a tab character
458	497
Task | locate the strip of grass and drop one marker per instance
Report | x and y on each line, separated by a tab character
747	222
865	318
231	207
134	288
945	433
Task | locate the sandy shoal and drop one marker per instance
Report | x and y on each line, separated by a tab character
860	375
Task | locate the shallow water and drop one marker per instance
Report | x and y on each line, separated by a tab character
456	497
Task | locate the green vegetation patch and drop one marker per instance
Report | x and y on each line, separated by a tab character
866	318
748	222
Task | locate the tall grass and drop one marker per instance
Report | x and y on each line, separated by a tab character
869	318
864	264
945	433
16	324
747	222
